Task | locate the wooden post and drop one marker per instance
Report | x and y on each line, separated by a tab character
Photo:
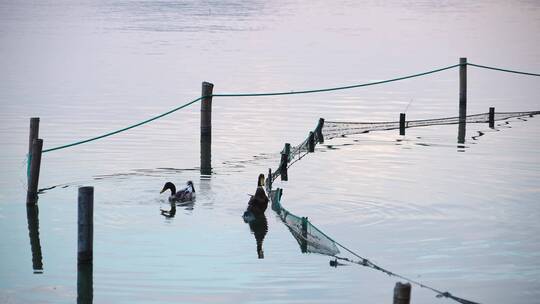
304	235
311	142
269	180
85	225
402	293
34	132
33	178
206	128
320	137
462	100
462	89
492	117
284	161
283	167
401	123
32	215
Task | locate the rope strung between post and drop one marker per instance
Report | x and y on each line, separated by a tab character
278	94
336	88
502	70
126	128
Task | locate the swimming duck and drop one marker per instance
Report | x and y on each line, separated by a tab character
259	202
184	195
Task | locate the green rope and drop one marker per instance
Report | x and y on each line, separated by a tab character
336	88
281	93
502	70
124	129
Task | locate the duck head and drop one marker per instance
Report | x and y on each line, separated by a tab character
190	185
260	180
169	186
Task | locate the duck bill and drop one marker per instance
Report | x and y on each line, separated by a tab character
161	191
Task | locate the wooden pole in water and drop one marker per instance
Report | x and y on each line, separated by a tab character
304	234
462	89
33	178
34	132
311	142
462	100
492	117
284	161
402	293
206	128
85	224
320	137
269	180
401	123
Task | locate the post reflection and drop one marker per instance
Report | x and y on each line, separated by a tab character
259	227
461	134
85	284
32	215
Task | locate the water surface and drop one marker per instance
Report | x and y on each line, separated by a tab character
458	219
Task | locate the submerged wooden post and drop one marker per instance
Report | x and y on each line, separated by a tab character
33	178
492	117
284	161
304	234
311	142
401	123
402	293
206	128
85	223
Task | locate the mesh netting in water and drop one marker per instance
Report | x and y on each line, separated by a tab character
333	129
309	238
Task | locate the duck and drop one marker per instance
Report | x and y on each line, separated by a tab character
184	195
258	202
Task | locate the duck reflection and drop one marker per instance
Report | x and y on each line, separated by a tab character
259	227
32	215
171	212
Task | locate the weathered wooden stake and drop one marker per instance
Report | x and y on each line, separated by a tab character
284	162
402	293
401	123
33	178
206	128
492	117
311	142
320	126
462	89
304	234
34	132
462	100
269	180
85	223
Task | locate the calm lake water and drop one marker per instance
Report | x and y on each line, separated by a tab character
463	220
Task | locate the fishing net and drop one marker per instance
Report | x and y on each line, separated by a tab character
326	130
309	238
333	129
